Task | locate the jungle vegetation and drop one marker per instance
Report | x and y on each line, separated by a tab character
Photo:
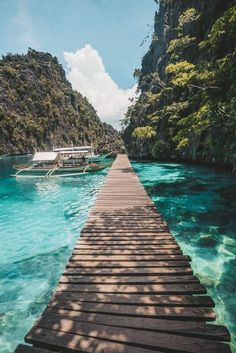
39	109
187	84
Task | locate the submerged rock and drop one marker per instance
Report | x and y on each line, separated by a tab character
208	240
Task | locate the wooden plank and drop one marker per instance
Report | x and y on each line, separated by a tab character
121	204
127	254
127	279
124	253
105	239
128	231
127	200
155	231
125	237
156	300
130	220
125	224
124	208
129	258
124	215
123	271
124	247
92	241
22	348
193	288
123	228
163	312
70	342
122	239
127	264
126	219
126	227
138	207
151	340
183	328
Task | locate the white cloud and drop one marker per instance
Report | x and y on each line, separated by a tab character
88	75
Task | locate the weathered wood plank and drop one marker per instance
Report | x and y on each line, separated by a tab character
22	348
103	248
156	300
123	240
136	236
117	213
127	279
183	328
124	252
77	332
125	224
194	314
129	258
124	247
71	342
128	264
193	288
126	228
123	271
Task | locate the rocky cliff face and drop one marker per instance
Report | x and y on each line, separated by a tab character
187	107
39	109
166	23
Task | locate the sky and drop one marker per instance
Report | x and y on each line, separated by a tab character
97	42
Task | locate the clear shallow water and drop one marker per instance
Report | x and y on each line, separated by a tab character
199	205
40	221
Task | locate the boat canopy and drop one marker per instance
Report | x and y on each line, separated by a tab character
77	149
82	152
45	156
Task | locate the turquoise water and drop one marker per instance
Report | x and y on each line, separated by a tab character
199	205
40	221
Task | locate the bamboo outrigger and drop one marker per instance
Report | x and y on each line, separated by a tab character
63	162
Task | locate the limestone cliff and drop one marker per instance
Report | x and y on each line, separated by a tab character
187	107
39	109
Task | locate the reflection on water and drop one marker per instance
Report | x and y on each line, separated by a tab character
40	220
199	205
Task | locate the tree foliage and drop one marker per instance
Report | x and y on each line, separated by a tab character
144	133
39	109
190	15
188	92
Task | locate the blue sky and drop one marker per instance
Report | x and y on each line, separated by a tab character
112	28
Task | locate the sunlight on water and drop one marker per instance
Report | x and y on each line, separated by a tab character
199	205
40	220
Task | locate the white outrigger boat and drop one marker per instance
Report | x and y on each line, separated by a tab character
63	162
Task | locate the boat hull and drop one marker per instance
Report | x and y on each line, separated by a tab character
50	171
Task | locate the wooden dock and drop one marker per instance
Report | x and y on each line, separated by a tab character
127	287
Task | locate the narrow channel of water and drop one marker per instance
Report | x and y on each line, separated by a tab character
40	221
199	205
